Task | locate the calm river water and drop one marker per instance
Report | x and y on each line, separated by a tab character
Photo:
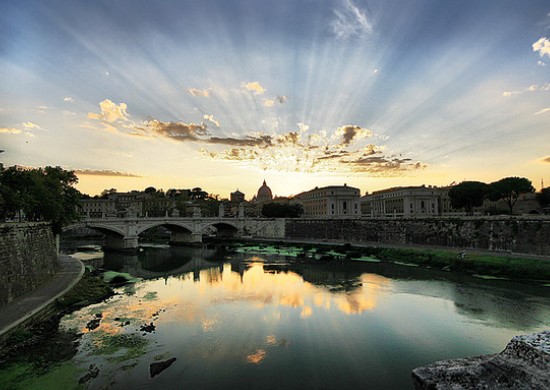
245	320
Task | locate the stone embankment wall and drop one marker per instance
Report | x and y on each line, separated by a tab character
520	235
28	257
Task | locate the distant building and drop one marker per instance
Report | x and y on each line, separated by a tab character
331	201
408	202
128	204
237	197
97	208
264	194
237	205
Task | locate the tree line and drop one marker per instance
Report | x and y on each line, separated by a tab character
39	194
471	194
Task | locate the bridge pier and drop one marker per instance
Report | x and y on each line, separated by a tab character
185	238
121	244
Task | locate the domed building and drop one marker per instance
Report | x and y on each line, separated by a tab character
264	194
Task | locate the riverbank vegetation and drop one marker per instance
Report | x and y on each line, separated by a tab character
506	266
475	263
469	195
23	363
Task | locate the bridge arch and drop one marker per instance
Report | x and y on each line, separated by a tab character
177	226
104	229
224	229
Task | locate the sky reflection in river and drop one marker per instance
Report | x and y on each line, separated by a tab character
270	322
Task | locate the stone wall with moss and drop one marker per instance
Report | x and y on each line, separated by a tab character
520	235
28	257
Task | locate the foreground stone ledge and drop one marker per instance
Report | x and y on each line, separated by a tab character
524	364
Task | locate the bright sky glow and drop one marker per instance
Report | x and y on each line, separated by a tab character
222	94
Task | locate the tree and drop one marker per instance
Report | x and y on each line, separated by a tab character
150	190
467	195
41	194
282	210
107	192
198	194
543	197
509	189
15	185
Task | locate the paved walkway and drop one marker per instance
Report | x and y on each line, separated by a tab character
68	273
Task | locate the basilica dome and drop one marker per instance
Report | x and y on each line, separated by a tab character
264	193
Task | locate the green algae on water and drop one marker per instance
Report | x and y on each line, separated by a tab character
489	277
114	277
118	347
26	376
366	259
150	296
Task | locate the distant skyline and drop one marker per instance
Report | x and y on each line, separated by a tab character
224	94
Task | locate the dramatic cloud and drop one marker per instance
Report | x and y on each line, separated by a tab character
68	99
30	125
176	130
303	127
297	151
273	101
102	172
269	102
210	118
546	160
260	141
532	88
290	139
111	112
350	133
9	130
350	21
198	92
344	150
255	87
232	154
542	46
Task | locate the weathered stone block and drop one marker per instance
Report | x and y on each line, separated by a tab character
524	364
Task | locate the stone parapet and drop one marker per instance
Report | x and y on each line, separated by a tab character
504	234
524	364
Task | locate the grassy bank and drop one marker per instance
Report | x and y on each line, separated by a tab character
487	265
469	262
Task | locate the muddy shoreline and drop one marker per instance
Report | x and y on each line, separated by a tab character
26	343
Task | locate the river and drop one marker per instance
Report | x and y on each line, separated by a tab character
210	319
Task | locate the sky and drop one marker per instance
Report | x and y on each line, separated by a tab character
222	94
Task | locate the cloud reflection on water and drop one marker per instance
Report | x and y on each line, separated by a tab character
188	299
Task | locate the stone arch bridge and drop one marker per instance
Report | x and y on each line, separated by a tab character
122	234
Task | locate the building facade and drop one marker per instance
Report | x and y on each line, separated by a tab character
408	202
97	208
331	201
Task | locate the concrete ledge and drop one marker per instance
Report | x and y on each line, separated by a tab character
524	364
